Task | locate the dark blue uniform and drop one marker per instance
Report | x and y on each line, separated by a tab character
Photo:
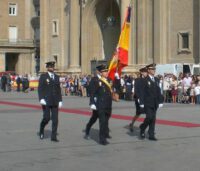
92	89
49	90
138	88
151	98
104	107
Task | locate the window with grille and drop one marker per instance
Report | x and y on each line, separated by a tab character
12	9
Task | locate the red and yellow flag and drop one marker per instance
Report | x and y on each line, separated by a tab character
120	57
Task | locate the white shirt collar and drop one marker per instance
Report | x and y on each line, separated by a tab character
51	74
151	76
99	76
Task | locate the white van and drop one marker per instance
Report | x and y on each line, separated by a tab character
176	68
195	69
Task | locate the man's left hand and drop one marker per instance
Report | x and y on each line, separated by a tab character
60	104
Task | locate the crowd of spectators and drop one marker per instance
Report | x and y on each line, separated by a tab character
8	82
184	88
181	89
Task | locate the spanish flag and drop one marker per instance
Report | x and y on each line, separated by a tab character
120	57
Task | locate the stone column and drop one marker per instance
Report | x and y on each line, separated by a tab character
196	31
144	32
141	31
149	32
45	33
28	13
24	59
74	36
132	48
64	27
2	62
161	30
198	61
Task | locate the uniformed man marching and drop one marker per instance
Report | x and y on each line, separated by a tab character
49	92
102	102
94	84
150	99
92	89
138	88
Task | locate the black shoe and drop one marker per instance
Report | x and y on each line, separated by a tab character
87	137
153	139
131	127
108	136
142	135
103	142
54	140
41	136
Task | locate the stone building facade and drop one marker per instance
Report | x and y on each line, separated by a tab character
162	31
17	47
78	34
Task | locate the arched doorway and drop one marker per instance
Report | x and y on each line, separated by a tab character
11	61
108	17
99	37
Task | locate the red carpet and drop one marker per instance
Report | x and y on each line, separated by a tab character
115	116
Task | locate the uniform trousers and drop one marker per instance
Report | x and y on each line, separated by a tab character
104	115
139	110
149	121
3	86
92	120
50	112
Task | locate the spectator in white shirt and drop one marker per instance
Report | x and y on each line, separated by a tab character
197	93
186	83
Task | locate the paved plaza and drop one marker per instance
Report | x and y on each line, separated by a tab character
178	131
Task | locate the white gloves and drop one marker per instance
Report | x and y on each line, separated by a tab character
43	102
117	75
60	104
160	105
142	106
93	107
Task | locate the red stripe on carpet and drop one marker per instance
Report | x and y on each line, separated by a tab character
115	116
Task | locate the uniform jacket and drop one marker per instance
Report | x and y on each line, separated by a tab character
104	96
150	93
138	87
100	94
49	89
92	89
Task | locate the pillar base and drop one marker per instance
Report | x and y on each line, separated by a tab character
2	62
74	69
133	68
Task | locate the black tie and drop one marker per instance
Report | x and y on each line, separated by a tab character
52	77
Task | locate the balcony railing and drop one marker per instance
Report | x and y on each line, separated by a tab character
17	43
